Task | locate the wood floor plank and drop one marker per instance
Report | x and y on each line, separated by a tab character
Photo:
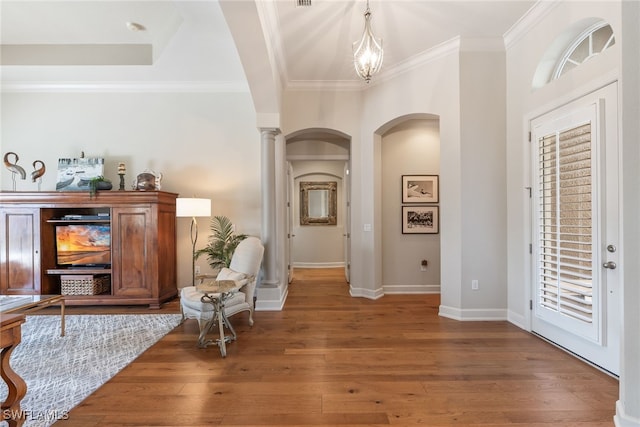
329	359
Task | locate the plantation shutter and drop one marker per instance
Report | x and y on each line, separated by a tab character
565	268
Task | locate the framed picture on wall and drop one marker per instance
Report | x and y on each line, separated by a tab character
420	220
419	188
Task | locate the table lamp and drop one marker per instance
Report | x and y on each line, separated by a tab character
193	207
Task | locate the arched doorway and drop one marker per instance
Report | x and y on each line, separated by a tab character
409	257
318	156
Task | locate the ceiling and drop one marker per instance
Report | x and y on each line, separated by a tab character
189	42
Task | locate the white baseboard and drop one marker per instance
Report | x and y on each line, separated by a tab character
271	297
411	289
487	314
317	265
621	419
518	320
365	293
271	305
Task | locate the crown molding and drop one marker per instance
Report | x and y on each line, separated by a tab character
322	85
530	19
130	87
436	53
440	51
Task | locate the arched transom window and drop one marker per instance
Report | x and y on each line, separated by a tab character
588	44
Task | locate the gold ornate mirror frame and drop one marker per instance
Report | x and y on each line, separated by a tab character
318	203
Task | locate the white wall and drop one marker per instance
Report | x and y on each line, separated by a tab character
410	148
465	88
341	112
483	175
204	144
524	104
429	89
628	407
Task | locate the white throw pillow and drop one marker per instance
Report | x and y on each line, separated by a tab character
229	274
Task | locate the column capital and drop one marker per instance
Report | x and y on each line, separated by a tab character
272	131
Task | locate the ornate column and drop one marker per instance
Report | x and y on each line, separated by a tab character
269	237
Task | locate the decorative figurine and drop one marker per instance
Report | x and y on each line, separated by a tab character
148	181
121	171
14	168
36	175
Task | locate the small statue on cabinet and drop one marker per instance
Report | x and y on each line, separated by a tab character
148	181
14	168
36	175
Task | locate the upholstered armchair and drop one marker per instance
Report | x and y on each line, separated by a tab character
243	269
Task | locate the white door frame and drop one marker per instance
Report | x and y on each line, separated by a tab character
290	218
603	97
346	191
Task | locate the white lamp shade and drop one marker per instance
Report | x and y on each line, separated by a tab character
192	207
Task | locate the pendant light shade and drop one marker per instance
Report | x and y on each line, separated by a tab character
367	52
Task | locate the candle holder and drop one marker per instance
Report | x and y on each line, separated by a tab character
121	170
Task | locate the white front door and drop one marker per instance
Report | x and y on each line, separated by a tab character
575	295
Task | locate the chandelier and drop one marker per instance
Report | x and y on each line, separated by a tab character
367	52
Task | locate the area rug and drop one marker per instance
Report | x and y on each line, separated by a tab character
60	372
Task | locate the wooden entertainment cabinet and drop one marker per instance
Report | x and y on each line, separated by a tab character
143	244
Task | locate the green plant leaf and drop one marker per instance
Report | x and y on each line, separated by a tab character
222	243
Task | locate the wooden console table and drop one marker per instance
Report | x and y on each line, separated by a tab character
142	231
10	337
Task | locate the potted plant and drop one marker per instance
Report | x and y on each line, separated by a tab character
222	243
99	183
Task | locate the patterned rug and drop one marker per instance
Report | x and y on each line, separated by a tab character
60	372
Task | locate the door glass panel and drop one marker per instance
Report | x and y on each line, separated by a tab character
566	228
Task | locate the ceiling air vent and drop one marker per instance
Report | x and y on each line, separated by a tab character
304	2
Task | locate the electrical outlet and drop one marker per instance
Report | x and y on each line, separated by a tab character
474	285
197	269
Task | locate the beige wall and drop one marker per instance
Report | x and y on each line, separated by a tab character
410	148
204	144
483	177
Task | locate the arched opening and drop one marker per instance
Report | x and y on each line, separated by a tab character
316	157
410	251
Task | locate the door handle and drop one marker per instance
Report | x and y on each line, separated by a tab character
610	264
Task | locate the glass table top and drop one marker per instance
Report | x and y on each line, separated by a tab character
10	303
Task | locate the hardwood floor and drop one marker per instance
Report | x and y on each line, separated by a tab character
329	359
